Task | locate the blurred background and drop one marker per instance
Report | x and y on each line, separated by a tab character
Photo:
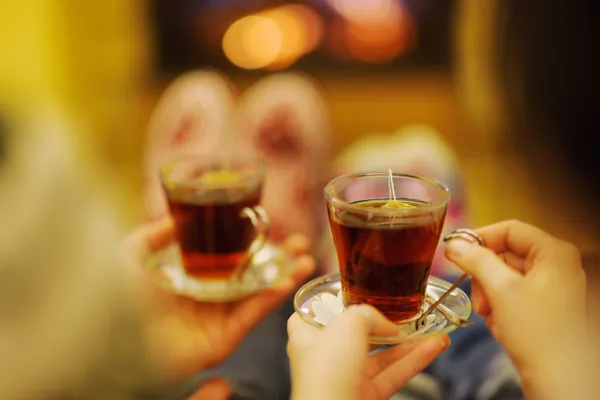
382	64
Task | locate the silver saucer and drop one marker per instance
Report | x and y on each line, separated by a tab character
269	266
330	285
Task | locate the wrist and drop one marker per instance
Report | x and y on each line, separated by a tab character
563	374
555	386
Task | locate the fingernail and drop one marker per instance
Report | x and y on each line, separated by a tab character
364	310
458	247
367	312
444	343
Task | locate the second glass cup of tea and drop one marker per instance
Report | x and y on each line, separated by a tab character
385	246
214	203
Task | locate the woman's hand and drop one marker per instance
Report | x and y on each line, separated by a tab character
190	336
531	289
333	363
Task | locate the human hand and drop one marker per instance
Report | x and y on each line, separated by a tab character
190	336
531	289
333	363
213	389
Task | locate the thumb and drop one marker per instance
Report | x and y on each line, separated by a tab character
484	265
216	389
363	321
349	333
346	339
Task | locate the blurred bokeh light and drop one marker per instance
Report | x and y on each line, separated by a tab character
361	11
372	32
273	39
252	42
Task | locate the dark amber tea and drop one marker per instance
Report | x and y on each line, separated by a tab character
385	249
213	232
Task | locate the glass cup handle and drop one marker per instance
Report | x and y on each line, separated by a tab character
260	221
465	234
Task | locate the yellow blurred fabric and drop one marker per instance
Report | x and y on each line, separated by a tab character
90	60
66	94
67	326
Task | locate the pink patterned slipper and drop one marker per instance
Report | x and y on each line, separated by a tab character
189	119
283	119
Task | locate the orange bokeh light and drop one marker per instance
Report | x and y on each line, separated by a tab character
376	31
366	11
313	24
378	43
252	42
291	32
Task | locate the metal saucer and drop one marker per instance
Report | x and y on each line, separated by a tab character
329	285
269	266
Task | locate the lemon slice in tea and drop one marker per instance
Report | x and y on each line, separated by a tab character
221	177
395	204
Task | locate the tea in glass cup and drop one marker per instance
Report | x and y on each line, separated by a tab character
385	246
218	221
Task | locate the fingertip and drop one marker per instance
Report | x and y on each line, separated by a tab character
382	326
476	305
366	312
436	344
306	261
495	332
286	286
215	388
476	299
481	264
458	248
479	299
293	321
160	233
375	322
304	266
444	342
481	307
297	244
